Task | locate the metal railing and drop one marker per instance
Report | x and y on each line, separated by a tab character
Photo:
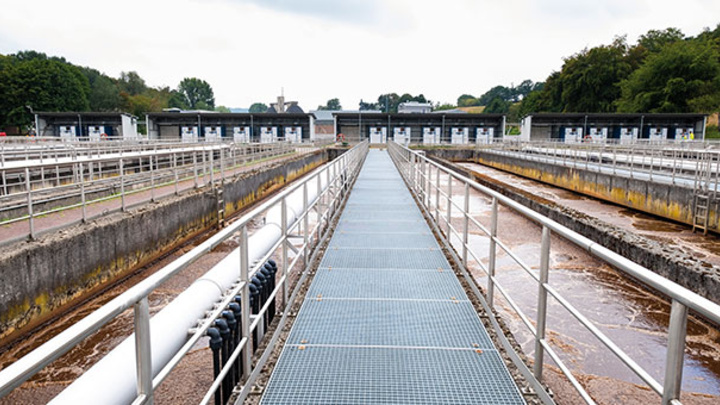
436	197
671	163
51	184
298	237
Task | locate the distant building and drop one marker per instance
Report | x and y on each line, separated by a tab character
238	127
420	128
282	107
89	125
413	107
602	127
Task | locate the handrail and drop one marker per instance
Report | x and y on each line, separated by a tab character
98	178
337	175
417	171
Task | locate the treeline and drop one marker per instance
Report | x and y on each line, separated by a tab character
389	102
664	72
35	80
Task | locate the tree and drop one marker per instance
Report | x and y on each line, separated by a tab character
177	100
501	92
332	105
196	93
131	83
42	83
590	79
467	100
444	107
497	106
682	77
104	93
367	106
655	40
388	103
222	109
258	108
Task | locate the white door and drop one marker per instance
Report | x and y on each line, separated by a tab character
241	134
293	134
459	136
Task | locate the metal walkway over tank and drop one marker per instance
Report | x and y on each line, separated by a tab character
385	319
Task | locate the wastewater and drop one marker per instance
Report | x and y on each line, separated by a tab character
630	315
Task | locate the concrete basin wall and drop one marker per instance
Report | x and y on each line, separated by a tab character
694	274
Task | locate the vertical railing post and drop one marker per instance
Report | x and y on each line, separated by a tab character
466	224
428	182
195	170
306	225
122	185
542	302
175	173
152	180
211	163
449	206
245	303
492	252
285	263
28	189
82	193
143	354
437	195
675	353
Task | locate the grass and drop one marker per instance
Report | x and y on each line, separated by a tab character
712	132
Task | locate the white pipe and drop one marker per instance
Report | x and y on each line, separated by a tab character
113	379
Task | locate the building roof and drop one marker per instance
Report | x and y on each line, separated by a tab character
551	116
419	116
89	114
230	115
294	109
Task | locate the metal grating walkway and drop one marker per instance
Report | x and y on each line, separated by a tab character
385	320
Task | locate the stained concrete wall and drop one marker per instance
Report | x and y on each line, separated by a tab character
696	275
665	200
42	277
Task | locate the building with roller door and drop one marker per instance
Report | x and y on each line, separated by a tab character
93	126
609	127
421	128
210	126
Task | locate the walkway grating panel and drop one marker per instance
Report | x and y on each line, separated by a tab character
352	213
389	323
324	375
385	258
381	226
359	240
386	320
383	284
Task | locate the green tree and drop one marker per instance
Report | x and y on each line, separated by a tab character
222	109
654	40
590	79
444	107
177	100
682	77
332	105
363	106
467	100
42	83
104	93
197	93
131	83
258	108
497	106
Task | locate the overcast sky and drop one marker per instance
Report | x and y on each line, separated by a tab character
349	49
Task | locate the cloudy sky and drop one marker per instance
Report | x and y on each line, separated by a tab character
350	49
